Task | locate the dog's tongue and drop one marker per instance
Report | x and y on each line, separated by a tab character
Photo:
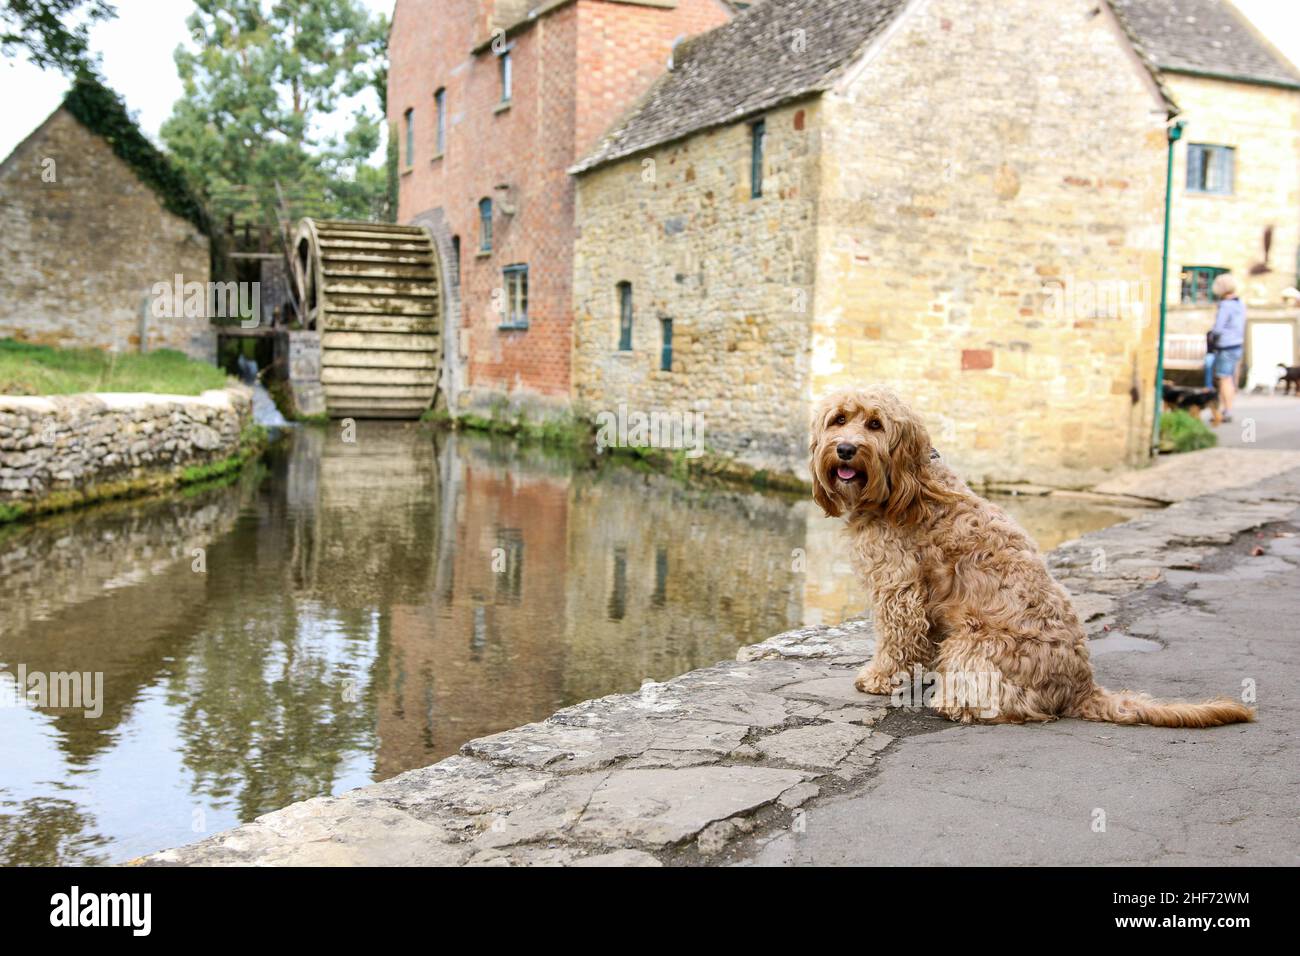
845	473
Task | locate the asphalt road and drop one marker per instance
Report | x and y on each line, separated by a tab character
1262	421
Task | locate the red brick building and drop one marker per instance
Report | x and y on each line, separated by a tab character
491	102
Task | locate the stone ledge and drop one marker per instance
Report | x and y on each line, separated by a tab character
61	450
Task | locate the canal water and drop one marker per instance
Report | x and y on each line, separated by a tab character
346	611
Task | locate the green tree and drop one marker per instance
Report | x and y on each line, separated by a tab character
262	79
44	30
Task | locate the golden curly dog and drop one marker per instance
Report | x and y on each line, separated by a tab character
957	587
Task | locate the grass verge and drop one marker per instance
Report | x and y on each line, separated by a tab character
27	369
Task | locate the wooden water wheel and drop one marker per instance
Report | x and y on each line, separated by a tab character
374	292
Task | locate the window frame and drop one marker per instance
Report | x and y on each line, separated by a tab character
440	119
1210	273
485	213
1198	169
409	118
626	315
757	147
506	73
513	321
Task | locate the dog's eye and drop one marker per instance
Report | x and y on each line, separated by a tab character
875	425
841	420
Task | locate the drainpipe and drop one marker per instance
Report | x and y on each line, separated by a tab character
1175	133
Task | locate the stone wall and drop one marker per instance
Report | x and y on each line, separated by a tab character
84	241
990	235
65	449
734	274
969	216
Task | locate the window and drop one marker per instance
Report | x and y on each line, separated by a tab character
507	75
410	137
757	133
485	225
625	316
440	105
455	256
1198	282
1210	168
516	304
666	355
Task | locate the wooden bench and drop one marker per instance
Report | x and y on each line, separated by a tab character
1184	351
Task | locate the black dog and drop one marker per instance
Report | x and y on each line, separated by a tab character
1192	400
1289	379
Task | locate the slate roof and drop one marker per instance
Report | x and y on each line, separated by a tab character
1204	36
750	64
755	62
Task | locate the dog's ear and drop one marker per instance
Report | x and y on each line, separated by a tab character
821	494
825	500
909	456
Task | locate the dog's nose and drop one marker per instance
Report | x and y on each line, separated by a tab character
846	450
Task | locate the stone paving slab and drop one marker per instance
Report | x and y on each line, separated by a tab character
714	765
1196	473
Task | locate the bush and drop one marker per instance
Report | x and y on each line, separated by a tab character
1180	431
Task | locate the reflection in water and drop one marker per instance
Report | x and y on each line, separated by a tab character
367	608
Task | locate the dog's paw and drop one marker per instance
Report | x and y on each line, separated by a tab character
872	682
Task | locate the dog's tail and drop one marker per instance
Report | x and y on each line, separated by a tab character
1125	707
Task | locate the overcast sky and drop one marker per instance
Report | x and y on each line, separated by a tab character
137	61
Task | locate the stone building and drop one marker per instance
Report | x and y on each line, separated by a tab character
491	101
1236	198
926	193
92	219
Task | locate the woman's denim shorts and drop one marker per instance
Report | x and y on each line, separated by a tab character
1225	362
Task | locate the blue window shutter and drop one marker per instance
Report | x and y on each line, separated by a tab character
666	357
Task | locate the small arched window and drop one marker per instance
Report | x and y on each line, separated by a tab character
485	225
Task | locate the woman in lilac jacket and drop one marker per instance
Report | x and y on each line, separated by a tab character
1229	336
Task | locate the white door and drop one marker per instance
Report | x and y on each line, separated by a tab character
1270	343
